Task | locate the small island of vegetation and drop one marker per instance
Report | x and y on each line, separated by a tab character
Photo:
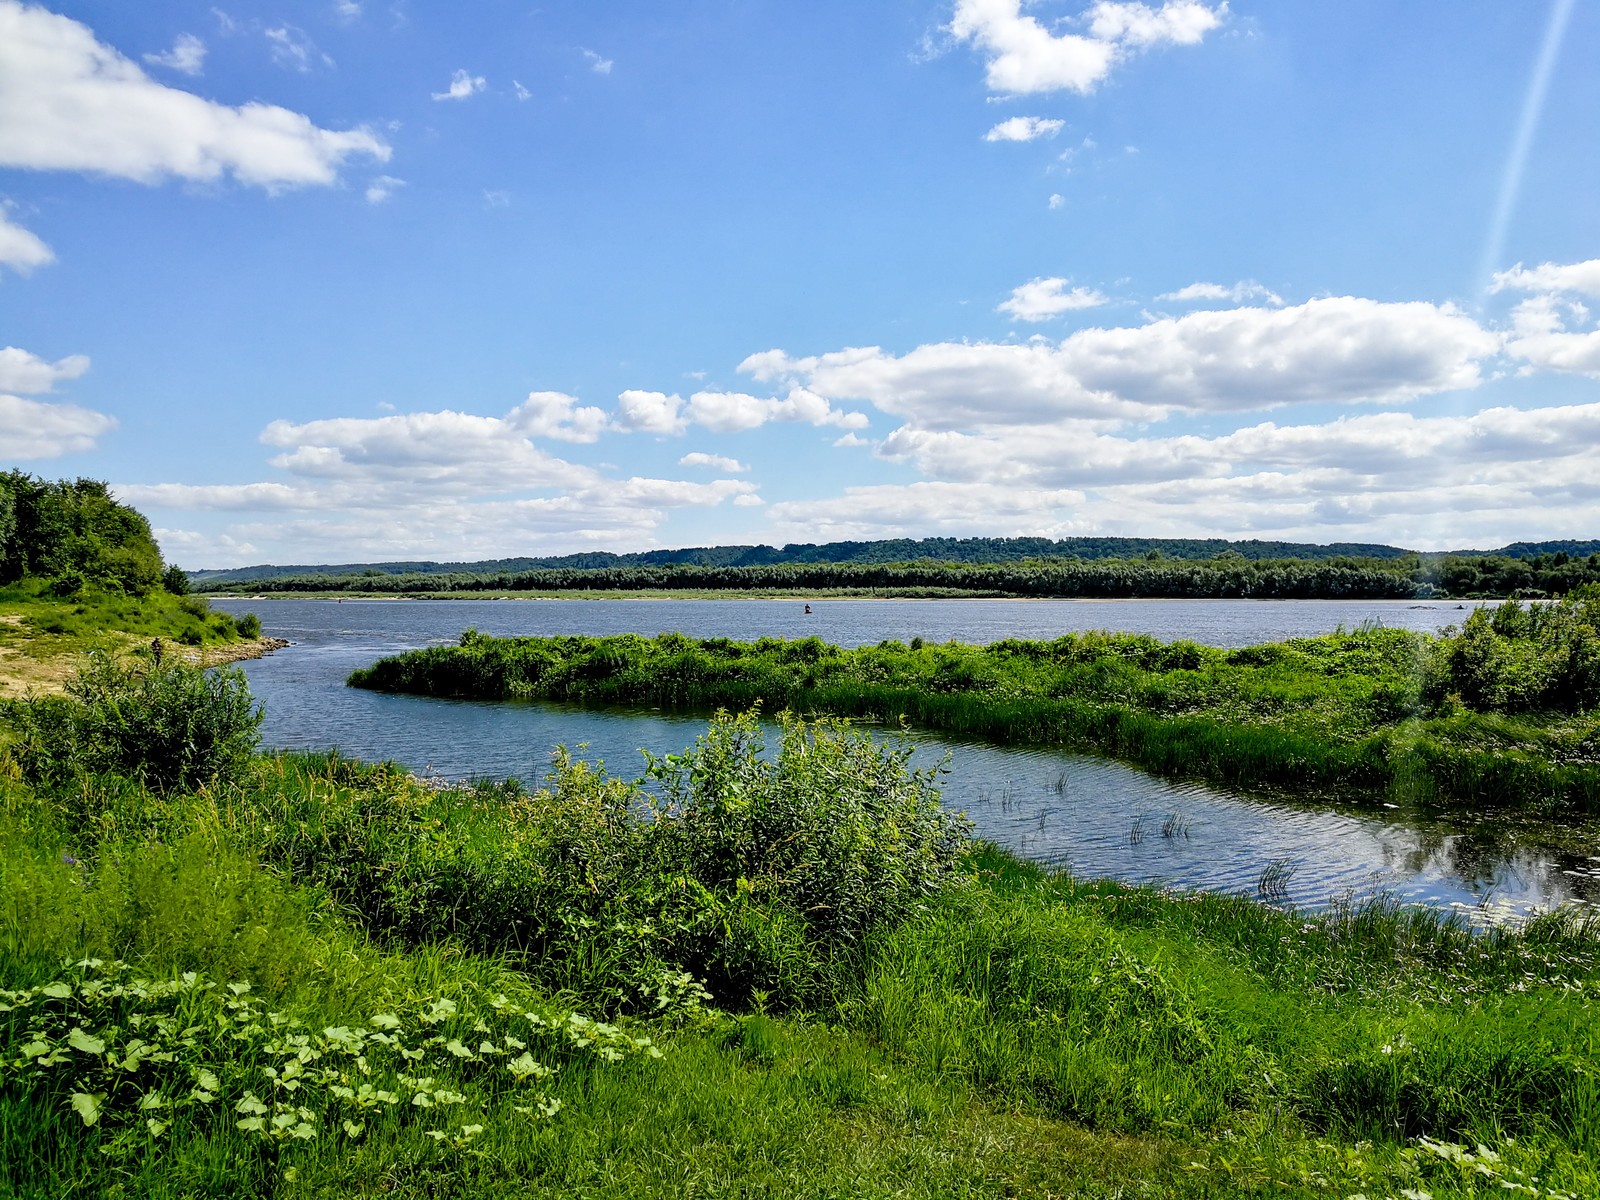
1501	711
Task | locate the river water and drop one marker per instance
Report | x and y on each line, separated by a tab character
1090	815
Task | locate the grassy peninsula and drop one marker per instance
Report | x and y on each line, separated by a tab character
1502	711
784	974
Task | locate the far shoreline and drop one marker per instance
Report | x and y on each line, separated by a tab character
1450	603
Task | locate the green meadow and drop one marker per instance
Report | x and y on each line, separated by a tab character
779	971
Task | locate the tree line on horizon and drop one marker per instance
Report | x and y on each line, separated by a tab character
1228	575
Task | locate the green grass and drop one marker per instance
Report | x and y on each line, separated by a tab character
1371	710
1014	1033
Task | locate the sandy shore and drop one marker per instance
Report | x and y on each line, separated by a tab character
22	674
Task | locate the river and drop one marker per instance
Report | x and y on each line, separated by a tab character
1090	815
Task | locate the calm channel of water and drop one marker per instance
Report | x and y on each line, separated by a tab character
1093	816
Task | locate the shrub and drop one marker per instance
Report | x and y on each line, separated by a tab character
754	872
175	581
172	726
249	625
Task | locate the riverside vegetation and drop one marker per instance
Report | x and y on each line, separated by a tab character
78	570
783	973
1501	711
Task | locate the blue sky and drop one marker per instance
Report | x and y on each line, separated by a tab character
329	280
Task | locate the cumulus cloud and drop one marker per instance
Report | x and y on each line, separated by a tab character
33	429
1024	57
1336	350
30	375
1041	299
597	64
1024	129
1240	293
21	249
732	412
187	56
1544	336
462	85
443	484
70	103
1581	277
716	462
559	416
650	412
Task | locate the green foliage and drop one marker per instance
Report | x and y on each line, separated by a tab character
1375	709
140	1060
1525	659
749	871
249	625
74	528
175	581
172	726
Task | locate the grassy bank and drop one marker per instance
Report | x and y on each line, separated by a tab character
44	634
301	976
1502	712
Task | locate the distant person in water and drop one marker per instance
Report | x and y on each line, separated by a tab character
808	610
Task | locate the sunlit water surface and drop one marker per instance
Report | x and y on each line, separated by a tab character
1093	816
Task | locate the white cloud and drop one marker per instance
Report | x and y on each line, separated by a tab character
1040	299
924	508
748	500
442	484
1024	57
732	412
21	249
34	429
1024	129
559	416
462	85
381	188
496	198
521	92
1542	336
1057	200
650	412
71	103
29	374
716	462
347	10
292	49
1241	292
1337	350
1580	277
597	64
187	56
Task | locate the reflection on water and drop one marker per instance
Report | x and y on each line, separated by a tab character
1090	815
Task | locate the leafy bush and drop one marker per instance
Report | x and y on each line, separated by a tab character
248	625
756	873
173	726
1517	658
175	581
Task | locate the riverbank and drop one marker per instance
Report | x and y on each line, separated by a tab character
43	637
1483	716
476	990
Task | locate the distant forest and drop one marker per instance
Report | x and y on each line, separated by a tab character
1079	567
